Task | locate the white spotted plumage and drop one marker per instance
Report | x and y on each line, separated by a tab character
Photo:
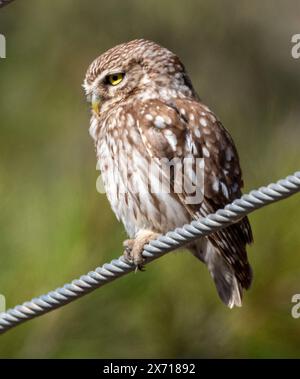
152	115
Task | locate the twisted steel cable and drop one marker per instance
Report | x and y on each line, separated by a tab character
172	240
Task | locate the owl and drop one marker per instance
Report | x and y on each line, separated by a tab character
152	133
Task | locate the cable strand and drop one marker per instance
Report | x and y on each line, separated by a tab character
175	239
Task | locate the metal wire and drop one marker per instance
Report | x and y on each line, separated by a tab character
172	240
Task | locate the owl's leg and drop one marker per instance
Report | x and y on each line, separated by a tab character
134	247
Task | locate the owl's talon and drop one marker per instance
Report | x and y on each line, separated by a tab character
128	244
139	267
134	249
134	256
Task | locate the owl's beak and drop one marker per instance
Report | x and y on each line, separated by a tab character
96	104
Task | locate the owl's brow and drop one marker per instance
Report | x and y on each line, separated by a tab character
93	86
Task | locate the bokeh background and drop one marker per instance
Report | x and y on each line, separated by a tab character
54	226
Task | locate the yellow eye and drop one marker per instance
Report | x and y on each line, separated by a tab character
115	79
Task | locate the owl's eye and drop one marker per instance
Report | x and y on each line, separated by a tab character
115	79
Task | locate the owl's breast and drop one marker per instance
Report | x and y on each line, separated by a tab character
131	180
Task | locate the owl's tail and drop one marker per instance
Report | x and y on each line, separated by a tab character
227	284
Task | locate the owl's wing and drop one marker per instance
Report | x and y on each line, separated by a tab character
184	128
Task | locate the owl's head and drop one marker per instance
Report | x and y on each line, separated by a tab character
138	68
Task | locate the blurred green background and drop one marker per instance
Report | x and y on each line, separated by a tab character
54	226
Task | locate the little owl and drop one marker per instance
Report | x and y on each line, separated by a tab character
145	112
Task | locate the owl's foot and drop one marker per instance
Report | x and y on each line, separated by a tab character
134	248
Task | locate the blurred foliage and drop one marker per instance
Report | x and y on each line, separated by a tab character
54	226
